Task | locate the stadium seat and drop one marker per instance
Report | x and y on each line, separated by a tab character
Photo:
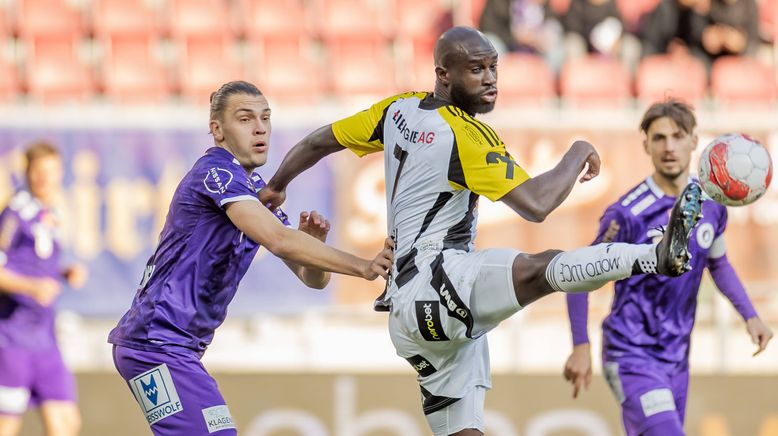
593	80
768	19
275	27
360	74
124	18
132	73
56	78
525	79
200	18
419	22
48	19
421	77
292	79
9	82
199	74
349	26
662	76
741	80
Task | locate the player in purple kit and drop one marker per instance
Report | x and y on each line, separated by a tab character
213	230
32	372
646	336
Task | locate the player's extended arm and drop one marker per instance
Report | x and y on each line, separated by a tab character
578	368
534	199
317	226
302	156
726	279
42	289
259	224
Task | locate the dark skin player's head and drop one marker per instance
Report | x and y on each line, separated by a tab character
466	70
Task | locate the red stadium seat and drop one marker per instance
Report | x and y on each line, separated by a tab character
48	19
124	18
595	80
768	19
422	75
662	76
200	18
9	81
292	79
132	74
58	78
199	75
349	26
742	80
360	74
524	79
275	18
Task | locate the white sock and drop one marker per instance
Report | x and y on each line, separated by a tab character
589	268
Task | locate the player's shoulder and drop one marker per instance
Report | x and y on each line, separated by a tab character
644	196
468	128
410	95
23	205
216	170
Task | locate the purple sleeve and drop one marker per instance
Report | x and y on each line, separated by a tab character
259	183
578	312
729	284
613	228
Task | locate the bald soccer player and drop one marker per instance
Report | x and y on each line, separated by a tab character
444	296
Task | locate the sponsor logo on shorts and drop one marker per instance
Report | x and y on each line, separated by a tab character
421	365
448	296
218	418
656	401
428	318
14	400
155	392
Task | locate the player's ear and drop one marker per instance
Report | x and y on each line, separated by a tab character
442	75
216	130
645	145
695	141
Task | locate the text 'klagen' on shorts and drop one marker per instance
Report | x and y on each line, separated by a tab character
176	394
439	320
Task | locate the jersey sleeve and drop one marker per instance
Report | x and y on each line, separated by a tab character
223	182
9	226
479	161
362	132
259	183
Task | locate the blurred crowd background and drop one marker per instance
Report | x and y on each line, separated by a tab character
122	86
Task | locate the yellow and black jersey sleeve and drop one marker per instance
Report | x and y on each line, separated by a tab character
362	132
479	161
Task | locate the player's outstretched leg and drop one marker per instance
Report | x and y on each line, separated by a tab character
589	268
673	251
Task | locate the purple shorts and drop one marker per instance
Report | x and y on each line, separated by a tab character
31	377
175	392
650	394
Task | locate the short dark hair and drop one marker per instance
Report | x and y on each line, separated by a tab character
38	150
220	97
681	113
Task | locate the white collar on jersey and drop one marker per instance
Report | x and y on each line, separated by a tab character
655	189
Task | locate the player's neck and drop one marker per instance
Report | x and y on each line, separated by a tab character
671	186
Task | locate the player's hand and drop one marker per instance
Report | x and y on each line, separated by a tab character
271	198
382	264
45	290
76	275
760	333
592	160
578	368
314	224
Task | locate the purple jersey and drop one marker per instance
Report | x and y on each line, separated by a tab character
29	246
201	256
652	315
